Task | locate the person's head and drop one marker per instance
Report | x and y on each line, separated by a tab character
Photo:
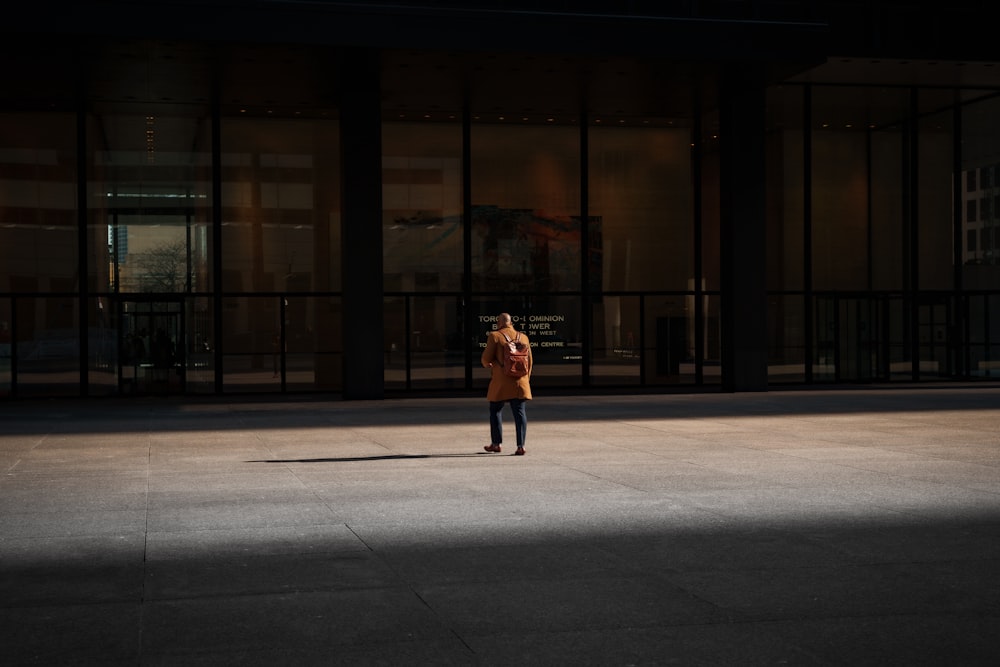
503	320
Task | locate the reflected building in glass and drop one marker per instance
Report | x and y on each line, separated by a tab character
337	198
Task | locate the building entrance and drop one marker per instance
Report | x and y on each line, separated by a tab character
152	346
849	339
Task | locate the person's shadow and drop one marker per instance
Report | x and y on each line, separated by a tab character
383	457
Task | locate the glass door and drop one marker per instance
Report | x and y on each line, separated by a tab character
935	347
848	334
152	347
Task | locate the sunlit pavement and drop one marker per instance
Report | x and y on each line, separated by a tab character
840	527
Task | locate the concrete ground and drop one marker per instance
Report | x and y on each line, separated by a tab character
822	527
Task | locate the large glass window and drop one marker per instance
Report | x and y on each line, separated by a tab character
887	140
786	355
981	151
984	335
840	180
935	190
276	343
857	193
6	346
525	207
149	142
711	248
850	338
48	346
422	206
423	343
38	218
785	206
640	192
312	344
785	231
711	197
617	342
199	339
149	199
395	370
251	343
103	347
280	205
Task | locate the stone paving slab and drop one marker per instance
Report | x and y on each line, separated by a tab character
818	527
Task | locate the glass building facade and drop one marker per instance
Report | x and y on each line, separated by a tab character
183	217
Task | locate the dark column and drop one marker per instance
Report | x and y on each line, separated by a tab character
217	309
361	224
743	230
83	267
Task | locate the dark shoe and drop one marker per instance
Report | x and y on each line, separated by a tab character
492	448
519	452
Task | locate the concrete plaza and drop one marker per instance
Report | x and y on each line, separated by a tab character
815	527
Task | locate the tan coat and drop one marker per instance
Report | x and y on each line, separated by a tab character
503	387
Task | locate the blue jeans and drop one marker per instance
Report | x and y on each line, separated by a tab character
520	420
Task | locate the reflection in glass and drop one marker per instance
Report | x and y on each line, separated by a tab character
640	191
251	343
273	342
785	224
434	343
839	197
617	347
199	339
6	347
857	158
711	196
981	231
150	199
313	347
526	208
935	194
984	335
48	346
888	251
712	365
935	315
394	320
786	336
103	348
824	364
38	233
423	343
422	206
280	205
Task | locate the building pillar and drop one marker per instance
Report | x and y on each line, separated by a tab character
742	118
361	224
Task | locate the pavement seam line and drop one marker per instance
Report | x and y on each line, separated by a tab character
145	535
399	577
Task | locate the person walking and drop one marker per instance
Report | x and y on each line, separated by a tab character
507	387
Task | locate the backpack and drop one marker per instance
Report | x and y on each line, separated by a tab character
515	357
